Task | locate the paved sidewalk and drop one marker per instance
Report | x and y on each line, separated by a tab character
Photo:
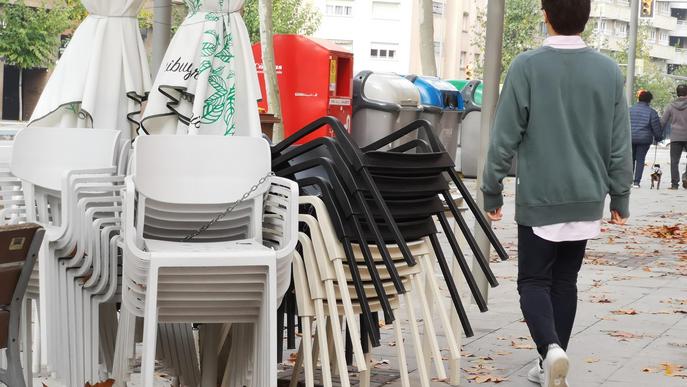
631	328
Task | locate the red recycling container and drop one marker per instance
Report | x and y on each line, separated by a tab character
315	79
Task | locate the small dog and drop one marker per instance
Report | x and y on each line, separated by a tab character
656	174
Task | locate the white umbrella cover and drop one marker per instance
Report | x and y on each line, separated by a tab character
207	83
103	75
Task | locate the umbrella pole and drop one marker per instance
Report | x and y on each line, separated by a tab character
162	31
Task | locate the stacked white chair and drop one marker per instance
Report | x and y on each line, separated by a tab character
322	278
63	171
234	272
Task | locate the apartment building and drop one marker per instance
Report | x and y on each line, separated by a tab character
665	23
384	34
678	36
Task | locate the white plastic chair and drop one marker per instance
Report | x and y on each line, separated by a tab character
326	260
229	274
45	159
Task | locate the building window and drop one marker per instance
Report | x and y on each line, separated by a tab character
603	27
437	49
384	51
663	8
386	10
438	7
621	29
663	37
339	8
463	58
652	35
466	21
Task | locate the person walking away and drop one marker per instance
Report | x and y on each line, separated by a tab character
646	129
563	112
676	116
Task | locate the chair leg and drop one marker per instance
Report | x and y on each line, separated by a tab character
430	333
26	340
209	334
15	374
402	362
150	329
306	343
322	343
297	366
417	343
450	283
436	295
350	315
124	348
366	375
336	335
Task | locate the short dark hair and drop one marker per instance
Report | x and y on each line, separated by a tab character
645	96
681	90
567	17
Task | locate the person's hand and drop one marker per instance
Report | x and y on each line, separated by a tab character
617	219
495	215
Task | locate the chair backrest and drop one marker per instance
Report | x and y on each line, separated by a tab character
42	156
5	152
200	169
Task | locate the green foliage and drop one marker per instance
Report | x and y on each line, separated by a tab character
288	17
31	36
521	31
76	12
654	79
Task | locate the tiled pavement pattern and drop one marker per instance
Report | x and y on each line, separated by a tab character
627	271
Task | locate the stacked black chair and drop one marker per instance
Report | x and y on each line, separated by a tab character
388	195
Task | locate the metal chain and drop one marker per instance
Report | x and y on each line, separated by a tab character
231	208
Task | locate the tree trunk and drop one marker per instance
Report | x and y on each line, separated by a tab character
427	57
269	68
21	94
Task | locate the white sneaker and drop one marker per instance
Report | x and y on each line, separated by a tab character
555	367
536	374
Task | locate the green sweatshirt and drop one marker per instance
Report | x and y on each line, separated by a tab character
565	114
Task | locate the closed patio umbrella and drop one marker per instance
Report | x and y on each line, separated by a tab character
207	83
103	75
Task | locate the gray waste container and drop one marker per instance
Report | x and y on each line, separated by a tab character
442	105
382	104
469	142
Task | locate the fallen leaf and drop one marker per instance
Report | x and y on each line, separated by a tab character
517	345
624	335
107	383
630	312
479	379
592	360
600	299
647	268
669	369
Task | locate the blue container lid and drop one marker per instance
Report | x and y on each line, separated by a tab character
435	91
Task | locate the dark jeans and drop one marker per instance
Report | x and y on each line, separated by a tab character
676	148
547	283
639	152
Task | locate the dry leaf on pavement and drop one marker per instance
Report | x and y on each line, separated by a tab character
107	383
479	379
520	345
625	311
624	335
591	360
